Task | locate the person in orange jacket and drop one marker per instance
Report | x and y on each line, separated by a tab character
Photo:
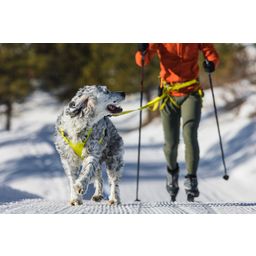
179	73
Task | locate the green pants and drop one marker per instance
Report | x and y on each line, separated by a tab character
190	112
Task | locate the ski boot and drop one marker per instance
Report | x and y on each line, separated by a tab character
191	187
172	185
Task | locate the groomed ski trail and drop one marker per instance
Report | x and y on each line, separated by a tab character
39	206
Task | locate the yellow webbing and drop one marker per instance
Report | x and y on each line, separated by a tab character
154	104
178	86
78	146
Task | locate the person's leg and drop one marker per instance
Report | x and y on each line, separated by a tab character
170	116
191	115
171	126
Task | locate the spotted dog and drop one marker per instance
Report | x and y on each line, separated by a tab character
85	138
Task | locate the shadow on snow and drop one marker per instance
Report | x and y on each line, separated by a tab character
237	151
8	194
46	165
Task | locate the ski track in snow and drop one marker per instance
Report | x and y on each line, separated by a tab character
35	206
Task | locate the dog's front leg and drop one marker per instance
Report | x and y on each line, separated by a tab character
114	196
89	167
114	168
71	171
98	184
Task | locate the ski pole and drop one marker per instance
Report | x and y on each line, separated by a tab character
140	125
225	176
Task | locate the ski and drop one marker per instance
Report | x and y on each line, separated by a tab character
190	198
173	198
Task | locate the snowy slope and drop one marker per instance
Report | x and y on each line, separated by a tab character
30	167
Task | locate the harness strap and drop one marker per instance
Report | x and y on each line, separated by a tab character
79	146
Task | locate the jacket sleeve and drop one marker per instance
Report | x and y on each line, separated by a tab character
210	53
151	51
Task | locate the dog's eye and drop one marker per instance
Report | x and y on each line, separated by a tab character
72	104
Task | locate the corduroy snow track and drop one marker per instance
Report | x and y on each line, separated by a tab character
39	206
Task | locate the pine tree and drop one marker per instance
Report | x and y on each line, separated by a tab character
233	65
14	77
58	67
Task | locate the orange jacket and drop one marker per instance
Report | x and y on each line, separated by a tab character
179	62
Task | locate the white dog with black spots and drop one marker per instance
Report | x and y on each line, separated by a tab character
85	121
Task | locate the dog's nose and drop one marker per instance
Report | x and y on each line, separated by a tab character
123	94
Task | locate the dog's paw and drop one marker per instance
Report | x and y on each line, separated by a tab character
113	202
75	202
79	188
97	198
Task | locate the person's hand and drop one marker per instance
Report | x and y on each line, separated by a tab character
142	47
209	66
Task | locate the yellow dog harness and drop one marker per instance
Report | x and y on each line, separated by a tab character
79	146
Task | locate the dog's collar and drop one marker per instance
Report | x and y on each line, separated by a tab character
79	146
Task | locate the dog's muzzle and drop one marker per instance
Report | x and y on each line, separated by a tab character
113	108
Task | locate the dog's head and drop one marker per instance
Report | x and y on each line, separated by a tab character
94	101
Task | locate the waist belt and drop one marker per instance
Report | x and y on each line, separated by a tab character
178	86
171	87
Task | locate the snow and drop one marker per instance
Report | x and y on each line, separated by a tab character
32	179
33	206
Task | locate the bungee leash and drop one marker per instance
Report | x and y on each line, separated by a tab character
161	101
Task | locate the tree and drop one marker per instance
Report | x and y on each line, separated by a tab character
15	83
114	65
58	67
233	65
63	68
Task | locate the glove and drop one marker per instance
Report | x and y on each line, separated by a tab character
209	66
142	47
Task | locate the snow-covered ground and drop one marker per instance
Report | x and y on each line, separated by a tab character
33	206
30	169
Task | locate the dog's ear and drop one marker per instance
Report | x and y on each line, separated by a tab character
84	105
86	102
90	106
75	106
